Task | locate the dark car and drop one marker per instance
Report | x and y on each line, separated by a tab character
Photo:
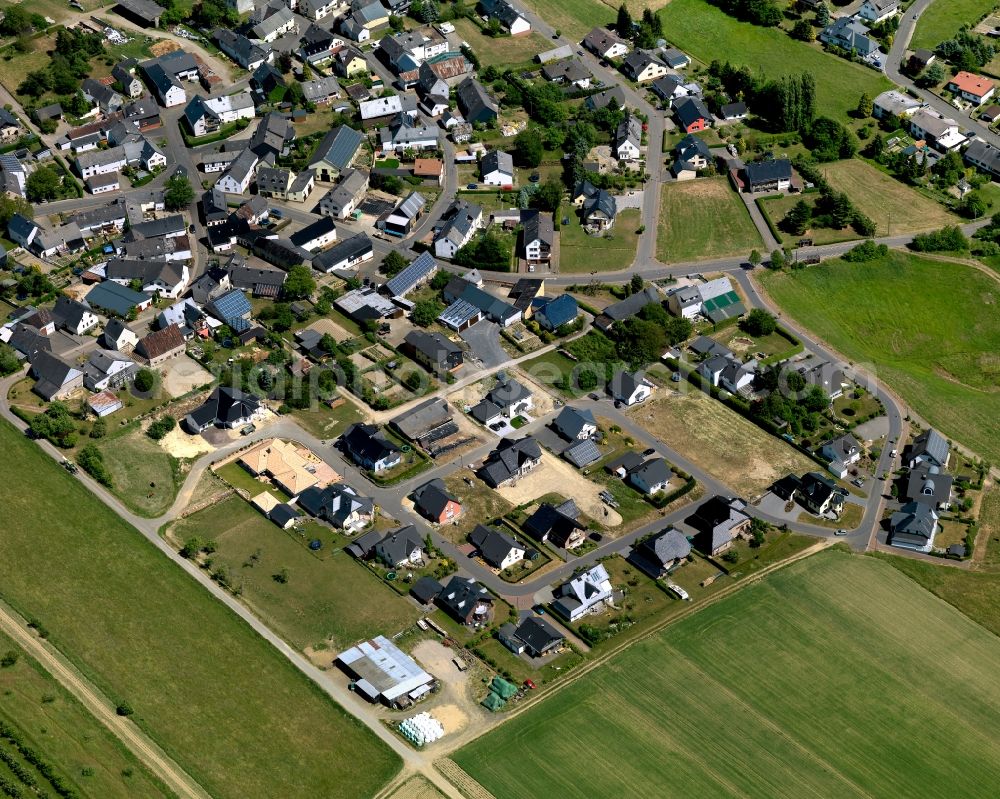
472	186
649	451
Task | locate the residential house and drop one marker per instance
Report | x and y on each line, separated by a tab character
629	307
319	9
568	72
733	112
819	494
433	351
849	33
507	399
489	306
474	101
208	116
767	176
268	82
74	316
497	168
596	102
605	44
534	636
558	525
244	51
642	66
575	423
692	114
586	593
928	485
674	58
728	372
340	201
938	131
101	95
369	448
719	522
691	155
315	236
841	452
340	505
226	407
894	103
599	212
650	477
496	547
108	369
55	378
659	554
261	281
626	142
512	459
827	376
272	22
239	174
125	78
984	156
401	548
406	132
100	184
552	314
974	88
878	11
346	254
350	62
914	526
334	154
169	277
460	222
118	336
321	91
160	346
929	448
630	388
466	601
504	12
436	503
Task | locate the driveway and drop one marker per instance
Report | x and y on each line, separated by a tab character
483	339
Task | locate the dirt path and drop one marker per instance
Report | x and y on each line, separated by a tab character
124	730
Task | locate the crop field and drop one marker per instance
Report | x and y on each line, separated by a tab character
706	34
77	747
723	443
927	327
221	701
703	219
798	685
941	21
318	605
893	207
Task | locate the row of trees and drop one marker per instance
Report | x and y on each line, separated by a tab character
785	104
644	34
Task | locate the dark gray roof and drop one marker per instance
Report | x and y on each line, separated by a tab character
928	486
435	346
667	546
689	110
493	545
321	227
623	384
537	634
338	147
914	522
766	171
422	266
508	458
460	596
930	446
603	202
397	545
432	498
571	421
475	102
653	472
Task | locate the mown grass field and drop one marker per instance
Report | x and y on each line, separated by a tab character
943	20
74	743
777	207
223	703
706	34
143	473
575	20
928	328
801	684
579	252
319	603
894	207
501	51
703	219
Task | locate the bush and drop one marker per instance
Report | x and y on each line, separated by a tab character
866	251
947	239
759	323
124	709
145	379
91	461
9	659
161	427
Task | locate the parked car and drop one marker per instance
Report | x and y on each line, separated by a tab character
841	531
649	451
472	186
248	429
529	685
858	481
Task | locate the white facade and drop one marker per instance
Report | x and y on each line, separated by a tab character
175	95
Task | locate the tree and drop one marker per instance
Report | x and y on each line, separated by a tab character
9	362
865	106
15	21
178	192
974	205
14	205
636	284
393	264
777	260
92	462
548	196
299	284
624	22
759	323
99	429
144	380
43	184
9	658
283	318
822	16
35	84
191	548
803	31
829	140
161	427
754	258
425	312
949	168
797	219
931	76
528	148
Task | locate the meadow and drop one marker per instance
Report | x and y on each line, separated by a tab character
221	701
580	252
814	681
927	327
703	219
941	21
707	34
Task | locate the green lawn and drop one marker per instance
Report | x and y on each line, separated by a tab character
222	702
142	472
79	749
706	34
580	252
703	219
502	51
943	20
801	684
318	605
929	328
777	207
575	19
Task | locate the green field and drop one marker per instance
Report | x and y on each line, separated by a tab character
942	20
221	701
142	473
501	51
575	20
928	328
580	252
707	34
318	605
816	681
80	750
703	219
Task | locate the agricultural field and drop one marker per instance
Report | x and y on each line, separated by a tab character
894	207
928	328
317	606
417	787
575	20
730	448
143	631
77	747
580	252
744	699
703	219
941	21
707	34
501	51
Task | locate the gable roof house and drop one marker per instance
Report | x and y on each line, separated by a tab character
497	168
819	494
124	74
894	103
507	15
321	91
118	336
767	176
160	345
878	11
568	72
586	593
575	424
466	601
316	235
849	33
719	521
335	152
651	476
340	201
406	132
108	369
461	221
983	155
245	52
559	525
928	485
340	505
841	452
55	379
605	44
433	351
930	448
630	388
239	174
436	503
117	299
599	212
74	316
692	114
402	547
629	307
475	102
642	66
347	254
534	636
974	88
553	313
691	155
507	398
660	553
596	102
104	97
226	407
914	526
207	116
496	547
272	22
731	112
513	458
626	143
940	132
369	448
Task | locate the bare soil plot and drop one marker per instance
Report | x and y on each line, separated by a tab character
328	326
181	445
184	374
723	443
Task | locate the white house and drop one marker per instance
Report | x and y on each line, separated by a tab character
585	593
497	168
239	174
630	388
877	11
318	9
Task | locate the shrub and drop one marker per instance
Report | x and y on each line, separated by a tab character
947	239
161	427
91	461
124	709
866	251
144	380
9	659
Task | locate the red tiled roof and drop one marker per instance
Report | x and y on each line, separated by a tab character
975	85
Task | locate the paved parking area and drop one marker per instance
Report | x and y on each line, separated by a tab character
773	505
